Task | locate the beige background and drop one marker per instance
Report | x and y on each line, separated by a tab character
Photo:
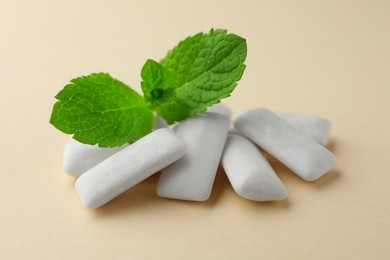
326	58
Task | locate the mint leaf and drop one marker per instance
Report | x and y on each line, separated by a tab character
158	93
99	109
154	84
197	73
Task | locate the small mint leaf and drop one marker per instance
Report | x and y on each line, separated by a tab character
157	91
99	109
196	74
154	81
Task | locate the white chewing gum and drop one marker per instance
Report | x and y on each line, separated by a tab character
192	177
301	154
220	108
128	167
249	172
160	123
79	157
315	127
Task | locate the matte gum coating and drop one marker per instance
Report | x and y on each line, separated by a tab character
299	153
249	173
78	157
192	177
128	167
220	108
315	127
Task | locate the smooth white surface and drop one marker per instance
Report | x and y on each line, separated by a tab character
160	123
315	127
79	157
301	154
249	172
128	167
220	108
192	177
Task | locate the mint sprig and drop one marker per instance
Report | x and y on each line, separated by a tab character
99	109
199	72
196	74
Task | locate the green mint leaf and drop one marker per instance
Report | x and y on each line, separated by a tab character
196	74
99	109
154	84
158	93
